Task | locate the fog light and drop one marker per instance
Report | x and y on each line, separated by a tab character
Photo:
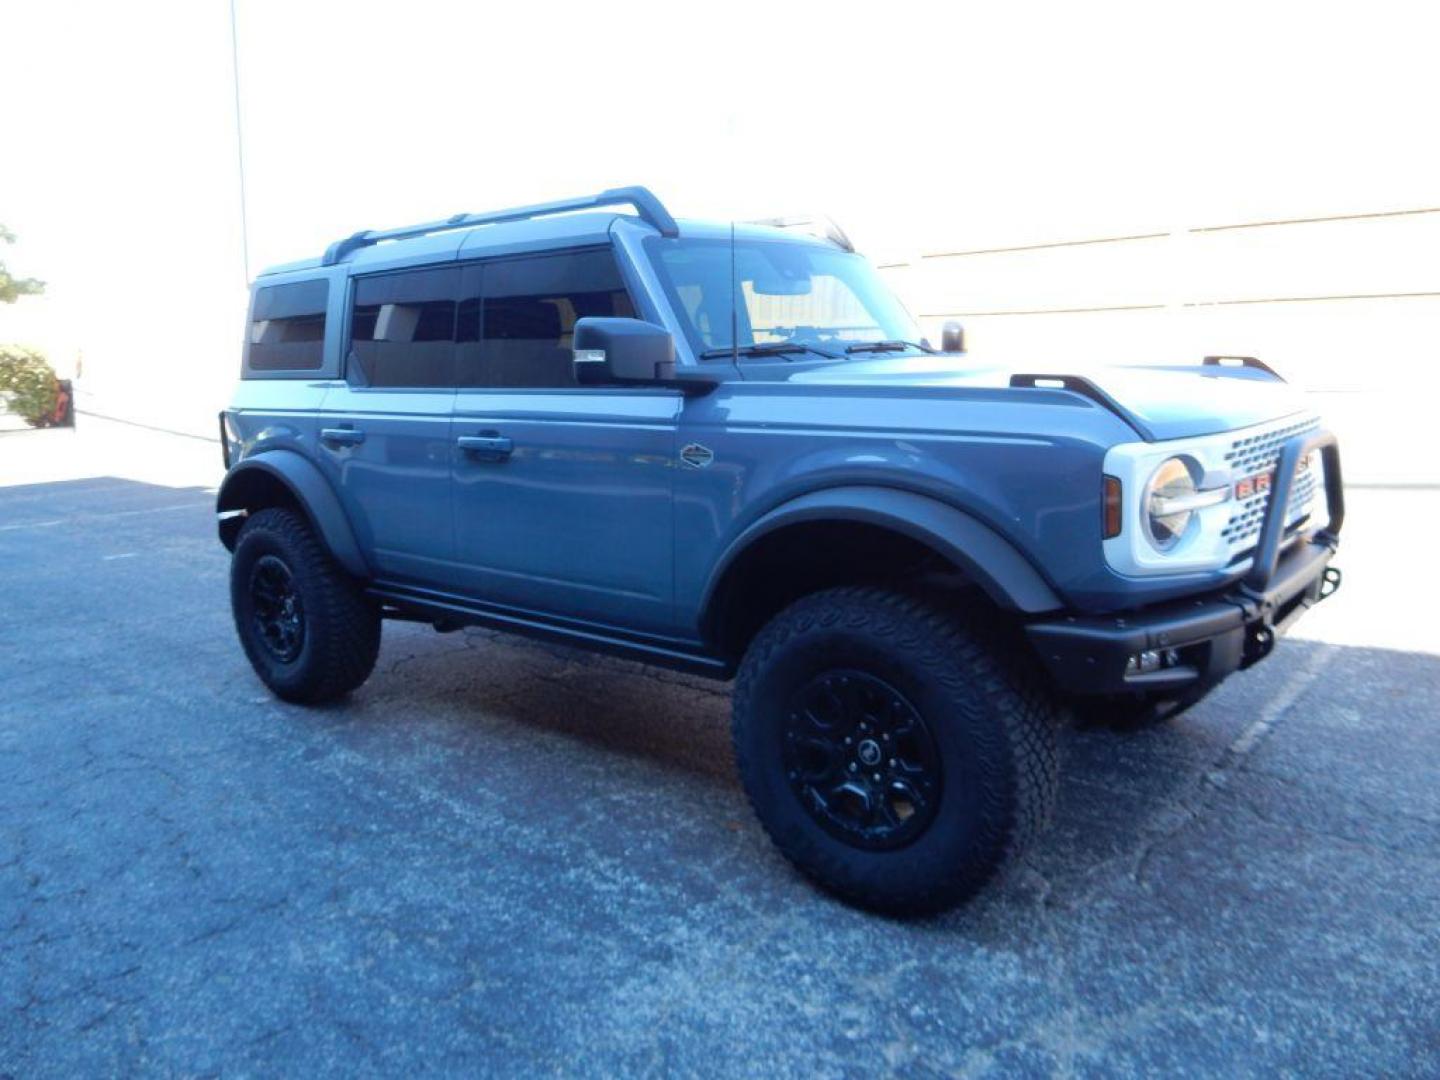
1151	660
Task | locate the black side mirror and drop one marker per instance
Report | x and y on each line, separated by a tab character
622	350
952	337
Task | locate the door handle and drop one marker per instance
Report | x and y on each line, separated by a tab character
491	446
342	436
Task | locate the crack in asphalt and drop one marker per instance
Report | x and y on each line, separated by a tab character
1188	808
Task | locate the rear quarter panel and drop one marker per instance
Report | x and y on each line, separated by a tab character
275	414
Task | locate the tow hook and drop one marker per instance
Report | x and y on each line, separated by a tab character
1329	582
1259	641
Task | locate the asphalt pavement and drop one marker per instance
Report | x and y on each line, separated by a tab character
503	858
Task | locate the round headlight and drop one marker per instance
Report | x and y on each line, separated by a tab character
1171	486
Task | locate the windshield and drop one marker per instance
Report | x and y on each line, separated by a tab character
786	293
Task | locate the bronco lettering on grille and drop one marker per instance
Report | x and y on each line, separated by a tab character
1259	483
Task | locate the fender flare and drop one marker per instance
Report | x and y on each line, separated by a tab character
310	490
990	560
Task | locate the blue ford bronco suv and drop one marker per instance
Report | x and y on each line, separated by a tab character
728	449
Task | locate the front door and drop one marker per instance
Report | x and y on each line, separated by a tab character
562	493
385	431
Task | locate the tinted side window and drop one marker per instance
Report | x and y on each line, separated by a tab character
287	326
528	315
402	329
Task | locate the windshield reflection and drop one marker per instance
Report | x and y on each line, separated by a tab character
818	299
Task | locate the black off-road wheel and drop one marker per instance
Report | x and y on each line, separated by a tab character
891	750
310	632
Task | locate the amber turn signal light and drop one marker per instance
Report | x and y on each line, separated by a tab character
1111	504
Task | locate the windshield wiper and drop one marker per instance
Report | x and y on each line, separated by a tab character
888	346
770	348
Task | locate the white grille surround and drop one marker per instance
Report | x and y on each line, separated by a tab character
1219	537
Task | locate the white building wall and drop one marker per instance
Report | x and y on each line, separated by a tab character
1346	306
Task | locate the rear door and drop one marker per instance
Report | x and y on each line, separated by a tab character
562	493
385	430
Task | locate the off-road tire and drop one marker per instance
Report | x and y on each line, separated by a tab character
341	626
991	715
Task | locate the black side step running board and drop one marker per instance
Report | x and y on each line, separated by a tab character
449	611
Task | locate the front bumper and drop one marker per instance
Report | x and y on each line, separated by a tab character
1197	642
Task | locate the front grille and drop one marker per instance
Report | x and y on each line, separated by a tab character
1260	453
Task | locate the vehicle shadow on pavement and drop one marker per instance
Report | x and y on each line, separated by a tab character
24	505
674	730
1289	745
482	678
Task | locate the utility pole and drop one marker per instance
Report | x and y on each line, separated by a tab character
240	147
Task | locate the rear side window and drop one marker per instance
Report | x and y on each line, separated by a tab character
402	329
287	326
528	313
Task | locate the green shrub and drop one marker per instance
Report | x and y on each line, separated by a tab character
28	381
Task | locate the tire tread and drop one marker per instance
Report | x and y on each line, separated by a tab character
951	644
345	631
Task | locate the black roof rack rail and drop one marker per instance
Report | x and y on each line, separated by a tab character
642	199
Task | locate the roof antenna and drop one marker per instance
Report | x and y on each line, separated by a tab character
734	332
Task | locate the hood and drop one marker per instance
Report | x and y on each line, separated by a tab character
1159	402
